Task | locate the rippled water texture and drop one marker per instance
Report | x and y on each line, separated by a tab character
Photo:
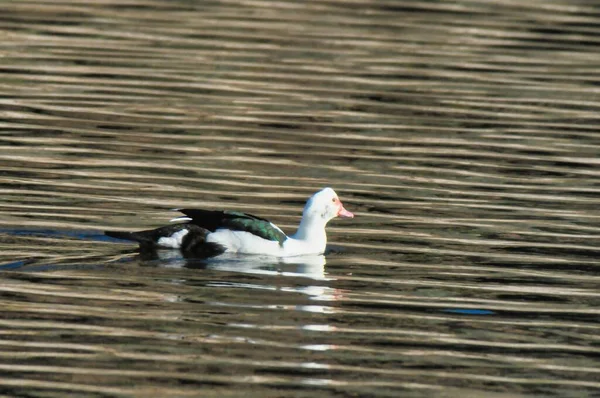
464	135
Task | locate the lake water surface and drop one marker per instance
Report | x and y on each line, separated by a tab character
465	136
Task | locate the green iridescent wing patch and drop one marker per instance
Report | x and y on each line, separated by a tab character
239	221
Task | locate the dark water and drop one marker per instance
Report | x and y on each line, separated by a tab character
464	136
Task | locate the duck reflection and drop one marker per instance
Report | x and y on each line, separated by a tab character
310	266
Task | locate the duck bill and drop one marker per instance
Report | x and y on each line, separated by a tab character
344	213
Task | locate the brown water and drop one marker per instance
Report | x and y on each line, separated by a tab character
464	135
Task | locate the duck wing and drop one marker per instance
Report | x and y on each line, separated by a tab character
236	221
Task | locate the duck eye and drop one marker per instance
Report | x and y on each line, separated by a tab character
333	200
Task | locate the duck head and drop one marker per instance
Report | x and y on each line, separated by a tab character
325	205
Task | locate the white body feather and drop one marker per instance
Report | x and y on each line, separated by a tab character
174	241
247	243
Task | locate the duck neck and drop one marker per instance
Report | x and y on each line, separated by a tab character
311	229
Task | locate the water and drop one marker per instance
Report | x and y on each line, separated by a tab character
464	136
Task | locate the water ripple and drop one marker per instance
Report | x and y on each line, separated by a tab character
462	135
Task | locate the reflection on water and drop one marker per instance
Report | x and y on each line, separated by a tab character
463	134
311	266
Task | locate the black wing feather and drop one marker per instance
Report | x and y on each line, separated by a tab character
234	220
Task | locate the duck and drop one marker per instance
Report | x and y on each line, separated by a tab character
211	233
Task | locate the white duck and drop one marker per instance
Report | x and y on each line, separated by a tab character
209	233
